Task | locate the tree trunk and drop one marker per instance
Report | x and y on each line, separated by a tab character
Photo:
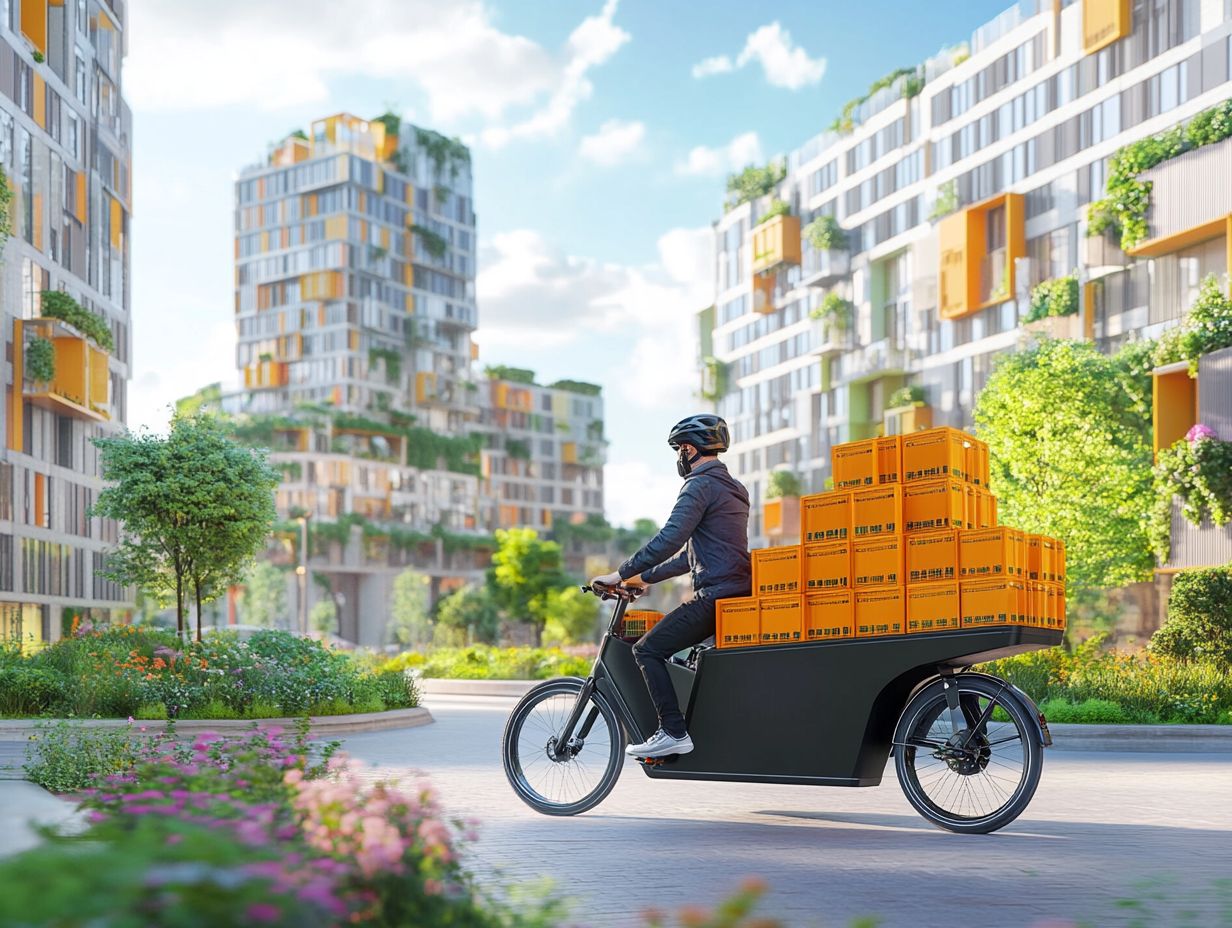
197	592
179	604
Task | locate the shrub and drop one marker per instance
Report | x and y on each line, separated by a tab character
40	360
825	234
906	396
56	304
754	182
835	311
1057	297
482	662
28	690
1087	712
777	208
1199	621
783	483
69	756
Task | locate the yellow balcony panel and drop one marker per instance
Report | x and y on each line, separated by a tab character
978	247
1174	397
34	23
763	294
512	398
776	241
425	387
81	384
780	518
1103	22
265	375
568	452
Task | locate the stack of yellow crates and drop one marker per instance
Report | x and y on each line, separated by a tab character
907	542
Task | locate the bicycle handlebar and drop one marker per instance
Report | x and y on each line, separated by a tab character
614	592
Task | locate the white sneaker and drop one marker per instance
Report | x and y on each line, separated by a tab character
661	744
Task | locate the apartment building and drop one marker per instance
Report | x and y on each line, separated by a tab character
355	310
949	196
66	188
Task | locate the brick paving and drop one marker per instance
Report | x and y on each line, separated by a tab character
1102	828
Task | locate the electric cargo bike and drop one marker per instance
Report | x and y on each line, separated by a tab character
967	746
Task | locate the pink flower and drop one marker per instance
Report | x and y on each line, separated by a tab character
1198	433
264	912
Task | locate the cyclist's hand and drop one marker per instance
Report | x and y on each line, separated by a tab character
636	583
612	579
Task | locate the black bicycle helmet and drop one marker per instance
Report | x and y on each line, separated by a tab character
705	432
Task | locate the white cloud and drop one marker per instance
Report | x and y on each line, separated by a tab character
260	52
704	161
633	490
615	142
719	64
535	297
783	63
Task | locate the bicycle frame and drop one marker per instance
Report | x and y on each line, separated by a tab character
821	713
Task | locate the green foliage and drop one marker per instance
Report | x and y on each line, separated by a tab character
914	83
27	689
1087	712
777	208
434	243
1199	624
570	616
482	662
511	374
714	379
1128	199
443	152
56	304
263	597
754	182
468	613
594	529
577	386
947	200
204	400
524	570
516	448
391	121
323	616
1148	687
783	483
825	234
38	56
40	360
1062	428
1056	297
392	360
906	396
67	756
1207	328
6	203
409	621
297	134
1198	470
835	312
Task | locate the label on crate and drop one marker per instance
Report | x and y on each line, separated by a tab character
988	552
933	453
737	622
776	570
781	619
879	612
829	616
878	511
827	567
934	504
992	602
853	464
825	517
877	561
932	556
889	457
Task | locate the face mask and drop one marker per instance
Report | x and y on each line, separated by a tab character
684	463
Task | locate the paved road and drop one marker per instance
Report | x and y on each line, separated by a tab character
1102	828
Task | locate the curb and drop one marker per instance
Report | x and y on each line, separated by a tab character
1144	739
438	687
319	725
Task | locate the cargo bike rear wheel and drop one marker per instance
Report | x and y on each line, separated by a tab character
555	778
970	765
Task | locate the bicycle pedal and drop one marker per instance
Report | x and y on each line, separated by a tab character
656	761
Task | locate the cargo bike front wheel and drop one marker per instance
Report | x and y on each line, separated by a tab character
555	777
968	764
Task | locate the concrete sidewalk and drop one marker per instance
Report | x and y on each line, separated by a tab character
23	807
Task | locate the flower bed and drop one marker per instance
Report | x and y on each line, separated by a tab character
1116	687
129	671
483	662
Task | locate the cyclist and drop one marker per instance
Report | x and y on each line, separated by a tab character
706	535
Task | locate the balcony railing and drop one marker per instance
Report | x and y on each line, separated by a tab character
823	266
828	338
81	384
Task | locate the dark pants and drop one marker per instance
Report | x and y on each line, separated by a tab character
686	625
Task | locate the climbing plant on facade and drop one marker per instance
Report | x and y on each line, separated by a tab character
1197	470
56	304
1056	297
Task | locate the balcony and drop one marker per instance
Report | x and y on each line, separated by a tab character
903	420
828	338
884	356
971	275
994	277
81	384
1102	254
1191	200
266	375
776	242
821	267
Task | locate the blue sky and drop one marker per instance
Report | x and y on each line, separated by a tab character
601	135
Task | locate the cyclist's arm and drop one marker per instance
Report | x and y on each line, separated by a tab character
688	511
674	568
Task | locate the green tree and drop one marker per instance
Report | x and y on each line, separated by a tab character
524	568
1071	457
469	614
570	616
232	506
263	600
410	622
323	616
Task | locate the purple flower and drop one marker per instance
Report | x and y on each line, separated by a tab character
1199	432
263	912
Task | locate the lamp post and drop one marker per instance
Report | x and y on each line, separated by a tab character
302	572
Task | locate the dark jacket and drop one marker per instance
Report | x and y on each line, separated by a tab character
710	521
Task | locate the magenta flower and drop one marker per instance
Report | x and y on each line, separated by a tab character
264	912
1199	432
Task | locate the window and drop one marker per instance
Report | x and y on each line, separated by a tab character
79	77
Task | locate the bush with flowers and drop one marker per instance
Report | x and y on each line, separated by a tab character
1197	470
146	673
1091	684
